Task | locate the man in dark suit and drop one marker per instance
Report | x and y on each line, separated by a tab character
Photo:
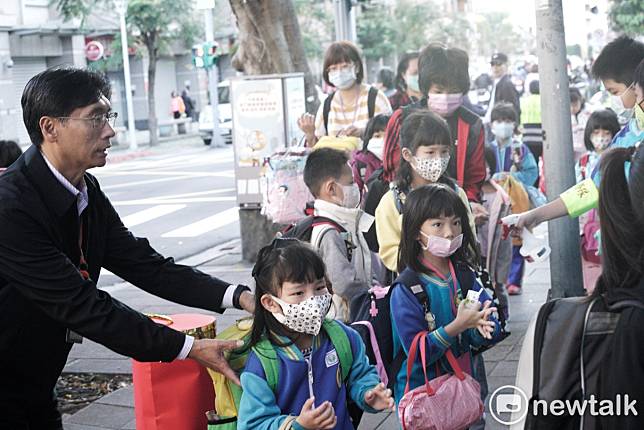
503	89
57	230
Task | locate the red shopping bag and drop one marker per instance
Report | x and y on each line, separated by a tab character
448	402
176	395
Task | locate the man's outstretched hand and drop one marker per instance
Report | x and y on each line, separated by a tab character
210	353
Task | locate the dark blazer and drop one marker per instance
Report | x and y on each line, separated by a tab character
506	92
42	292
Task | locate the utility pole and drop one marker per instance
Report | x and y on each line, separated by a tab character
122	10
345	20
208	7
565	259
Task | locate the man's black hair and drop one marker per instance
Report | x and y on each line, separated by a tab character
534	87
321	165
58	92
618	60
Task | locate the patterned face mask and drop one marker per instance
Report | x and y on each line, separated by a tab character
304	317
431	169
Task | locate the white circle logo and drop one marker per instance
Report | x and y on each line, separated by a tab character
508	405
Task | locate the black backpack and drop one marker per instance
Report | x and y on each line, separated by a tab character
371	106
377	187
303	229
570	369
368	311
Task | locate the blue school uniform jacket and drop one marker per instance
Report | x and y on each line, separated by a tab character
408	318
262	409
529	170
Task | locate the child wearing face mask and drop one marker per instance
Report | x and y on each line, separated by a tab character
369	159
600	129
426	145
437	254
513	158
320	363
340	242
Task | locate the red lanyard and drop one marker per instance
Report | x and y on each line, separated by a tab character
454	283
82	266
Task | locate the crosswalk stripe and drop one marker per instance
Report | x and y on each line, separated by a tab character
149	214
205	225
162	201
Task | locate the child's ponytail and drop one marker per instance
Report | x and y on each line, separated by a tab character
621	229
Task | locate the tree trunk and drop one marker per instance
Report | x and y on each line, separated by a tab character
152	73
270	42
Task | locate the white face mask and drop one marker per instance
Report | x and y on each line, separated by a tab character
503	130
600	142
305	317
431	169
376	146
344	78
351	194
617	100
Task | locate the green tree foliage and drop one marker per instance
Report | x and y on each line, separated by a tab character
376	32
627	16
317	25
495	32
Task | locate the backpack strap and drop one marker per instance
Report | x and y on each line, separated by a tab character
583	164
463	131
267	356
340	341
327	225
325	111
371	101
398	199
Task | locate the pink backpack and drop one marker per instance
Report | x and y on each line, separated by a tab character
448	402
363	164
589	242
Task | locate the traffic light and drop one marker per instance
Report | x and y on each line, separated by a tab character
197	56
210	54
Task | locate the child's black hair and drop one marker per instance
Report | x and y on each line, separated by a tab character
618	60
605	119
284	260
575	96
638	77
503	111
534	87
9	152
376	124
321	165
433	201
422	128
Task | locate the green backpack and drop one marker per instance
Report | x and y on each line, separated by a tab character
228	394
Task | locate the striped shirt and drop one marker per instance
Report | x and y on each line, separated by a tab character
342	116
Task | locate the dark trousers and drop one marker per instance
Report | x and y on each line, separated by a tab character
517	268
21	410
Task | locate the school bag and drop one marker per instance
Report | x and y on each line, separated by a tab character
371	106
377	186
569	370
228	394
303	230
363	163
371	318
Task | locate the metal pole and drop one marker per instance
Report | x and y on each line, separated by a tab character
128	80
565	259
213	80
344	19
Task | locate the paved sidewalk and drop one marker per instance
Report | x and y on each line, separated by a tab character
116	410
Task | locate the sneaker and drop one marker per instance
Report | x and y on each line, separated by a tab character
514	290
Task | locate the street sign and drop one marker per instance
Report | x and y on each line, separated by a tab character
94	50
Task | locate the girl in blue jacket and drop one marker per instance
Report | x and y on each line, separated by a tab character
312	390
436	251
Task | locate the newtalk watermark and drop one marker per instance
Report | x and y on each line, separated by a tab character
509	405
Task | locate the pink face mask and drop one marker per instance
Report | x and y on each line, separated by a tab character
440	246
444	104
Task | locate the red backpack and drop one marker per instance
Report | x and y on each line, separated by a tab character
363	164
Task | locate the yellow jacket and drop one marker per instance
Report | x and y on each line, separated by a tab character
389	227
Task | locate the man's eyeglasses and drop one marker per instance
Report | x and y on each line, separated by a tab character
98	121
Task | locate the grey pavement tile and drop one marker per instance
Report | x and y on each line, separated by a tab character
97	414
515	353
129	426
71	426
89	349
380	421
495	382
122	397
497	353
506	368
117	366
